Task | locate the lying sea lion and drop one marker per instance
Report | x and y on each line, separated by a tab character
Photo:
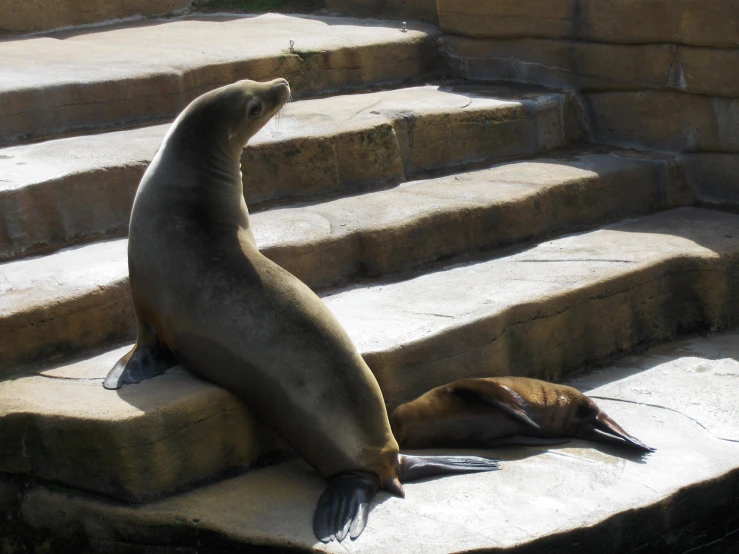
503	410
204	296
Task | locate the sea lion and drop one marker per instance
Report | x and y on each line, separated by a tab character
503	410
204	296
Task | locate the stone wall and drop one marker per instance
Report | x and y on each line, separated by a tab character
424	10
653	74
23	16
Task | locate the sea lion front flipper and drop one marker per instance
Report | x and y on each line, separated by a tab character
141	363
418	467
500	396
344	506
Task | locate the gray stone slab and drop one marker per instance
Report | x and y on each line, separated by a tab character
578	497
78	298
314	147
533	313
121	74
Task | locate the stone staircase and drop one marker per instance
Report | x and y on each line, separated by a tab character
455	228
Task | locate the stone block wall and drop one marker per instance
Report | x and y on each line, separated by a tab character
424	10
657	75
24	16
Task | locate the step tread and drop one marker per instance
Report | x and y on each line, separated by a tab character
576	497
53	159
414	335
313	147
373	233
150	68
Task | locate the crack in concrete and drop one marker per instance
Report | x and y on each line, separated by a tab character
659	406
603	296
576	260
61	378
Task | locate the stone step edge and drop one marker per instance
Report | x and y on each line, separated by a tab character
678	496
290	159
172	74
544	333
79	298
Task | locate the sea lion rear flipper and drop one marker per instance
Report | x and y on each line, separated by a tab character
418	467
141	363
343	507
493	393
604	429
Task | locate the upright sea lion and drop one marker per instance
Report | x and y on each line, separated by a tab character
204	296
503	410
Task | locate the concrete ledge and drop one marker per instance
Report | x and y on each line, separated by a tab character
315	147
79	298
131	444
529	313
666	121
117	75
691	22
577	498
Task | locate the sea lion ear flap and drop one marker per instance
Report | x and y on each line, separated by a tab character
490	392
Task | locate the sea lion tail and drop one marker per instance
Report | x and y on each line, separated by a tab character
418	467
343	508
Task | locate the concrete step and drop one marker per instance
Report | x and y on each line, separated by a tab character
78	298
542	312
578	498
68	190
95	77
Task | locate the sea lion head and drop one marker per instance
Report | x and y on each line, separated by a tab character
229	116
590	422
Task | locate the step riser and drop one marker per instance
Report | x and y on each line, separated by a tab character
123	97
549	341
475	224
96	201
85	320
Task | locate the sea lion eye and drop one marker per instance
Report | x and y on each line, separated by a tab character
255	109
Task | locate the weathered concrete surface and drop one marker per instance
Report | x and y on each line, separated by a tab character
577	498
530	313
692	22
79	298
667	121
315	146
714	177
535	312
122	74
40	15
61	425
594	66
390	231
424	10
